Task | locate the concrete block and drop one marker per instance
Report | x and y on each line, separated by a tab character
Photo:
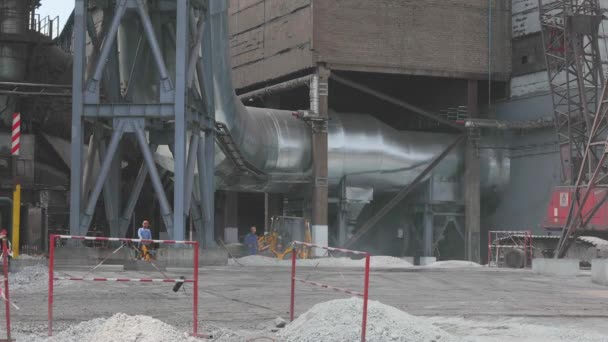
555	267
599	271
408	259
427	260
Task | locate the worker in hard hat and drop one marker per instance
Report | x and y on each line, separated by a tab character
144	233
251	241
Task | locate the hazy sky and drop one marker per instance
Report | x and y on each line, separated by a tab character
61	8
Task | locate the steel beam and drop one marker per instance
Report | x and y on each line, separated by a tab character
165	81
107	47
136	189
78	72
165	208
190	166
104	170
371	222
181	64
112	110
394	101
206	156
472	190
319	104
277	88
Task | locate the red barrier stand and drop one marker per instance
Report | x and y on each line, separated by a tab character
194	280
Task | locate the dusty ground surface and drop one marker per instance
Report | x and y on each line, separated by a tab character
250	298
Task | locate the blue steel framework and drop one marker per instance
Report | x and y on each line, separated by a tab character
181	106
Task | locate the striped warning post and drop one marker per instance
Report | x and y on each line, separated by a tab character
16	134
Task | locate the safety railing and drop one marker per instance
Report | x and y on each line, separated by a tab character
54	239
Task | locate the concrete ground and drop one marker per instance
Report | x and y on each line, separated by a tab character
249	298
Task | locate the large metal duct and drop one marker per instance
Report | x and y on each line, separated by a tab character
367	151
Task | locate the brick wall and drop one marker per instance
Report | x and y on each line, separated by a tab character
273	38
425	37
269	39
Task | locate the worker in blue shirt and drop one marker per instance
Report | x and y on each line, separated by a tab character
251	241
145	233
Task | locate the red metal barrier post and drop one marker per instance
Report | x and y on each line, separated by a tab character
365	297
365	293
293	281
6	293
53	239
195	294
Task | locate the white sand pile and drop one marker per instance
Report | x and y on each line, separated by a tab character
453	264
340	320
375	262
123	328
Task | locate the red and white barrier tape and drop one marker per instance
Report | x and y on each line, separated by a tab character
95	238
330	248
136	280
325	286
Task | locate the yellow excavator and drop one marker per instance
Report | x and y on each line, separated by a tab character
277	240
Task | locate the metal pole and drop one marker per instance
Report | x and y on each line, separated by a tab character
365	297
293	282
16	219
51	276
6	290
80	11
195	292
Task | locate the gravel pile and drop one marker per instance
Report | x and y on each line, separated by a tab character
29	277
453	264
118	328
340	320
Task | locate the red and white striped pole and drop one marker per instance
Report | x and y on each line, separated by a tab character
16	134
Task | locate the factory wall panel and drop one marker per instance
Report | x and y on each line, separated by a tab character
528	54
269	39
431	37
535	167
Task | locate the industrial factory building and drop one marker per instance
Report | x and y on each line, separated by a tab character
386	102
168	136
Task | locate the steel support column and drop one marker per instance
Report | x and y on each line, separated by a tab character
206	155
427	235
472	185
79	64
181	65
320	108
